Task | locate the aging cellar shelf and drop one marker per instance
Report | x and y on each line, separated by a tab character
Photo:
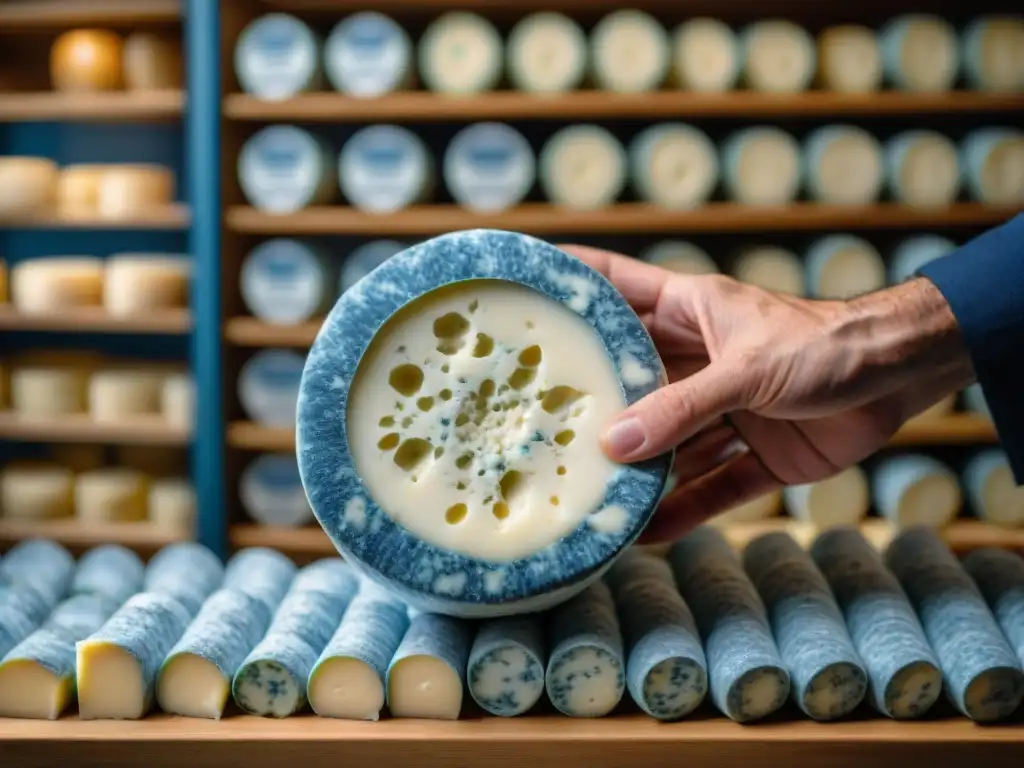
94	107
81	429
251	332
143	537
89	320
23	14
167	218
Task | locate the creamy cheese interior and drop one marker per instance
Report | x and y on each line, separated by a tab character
850	271
1002	497
474	419
913	690
547	53
586	681
928	57
834	692
705	55
772	268
192	686
779	57
682	170
110	684
993	694
933	500
850	61
1001	64
460	53
842	499
850	170
768	169
585	168
930	172
1002	173
346	688
424	687
630	52
29	690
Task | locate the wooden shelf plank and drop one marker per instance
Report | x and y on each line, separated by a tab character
540	218
253	437
95	319
252	332
80	535
81	429
93	107
25	14
169	218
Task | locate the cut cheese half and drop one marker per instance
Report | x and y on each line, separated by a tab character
368	55
27	184
283	169
547	53
629	52
680	256
992	490
277	56
271	492
126	191
923	168
840	500
772	268
285	281
583	167
843	266
136	283
460	53
153	62
916	490
761	166
268	387
914	252
384	168
844	165
56	283
920	52
87	61
362	260
35	491
849	59
674	166
778	57
489	167
993	161
705	56
992	48
111	495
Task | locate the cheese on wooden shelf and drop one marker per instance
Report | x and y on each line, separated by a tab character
630	52
172	504
139	283
705	56
78	189
285	282
505	672
472	397
27	184
365	258
367	55
674	165
87	61
271	492
262	573
778	56
268	387
41	564
912	253
843	266
999	575
54	284
920	52
460	54
126	191
772	268
110	571
153	62
761	166
277	56
680	256
546	54
112	495
118	394
760	508
583	167
177	400
43	390
384	168
840	500
993	163
427	675
991	489
922	168
154	460
489	167
992	47
844	165
849	59
35	491
916	490
187	572
283	169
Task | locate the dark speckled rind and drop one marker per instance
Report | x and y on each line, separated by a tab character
999	575
425	576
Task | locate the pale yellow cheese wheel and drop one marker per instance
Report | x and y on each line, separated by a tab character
172	504
57	283
27	185
48	391
35	491
139	283
152	62
78	189
126	191
177	400
86	61
111	495
117	395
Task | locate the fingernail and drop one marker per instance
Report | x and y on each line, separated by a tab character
625	437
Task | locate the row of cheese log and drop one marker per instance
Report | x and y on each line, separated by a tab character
367	55
827	629
489	167
97	60
122	284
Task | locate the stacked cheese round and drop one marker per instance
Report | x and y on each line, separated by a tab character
547	54
384	168
268	387
277	56
843	165
119	394
27	185
36	491
78	189
920	52
583	167
674	166
923	168
460	53
778	57
172	504
131	190
285	281
489	167
137	283
362	260
630	52
87	61
705	56
271	492
177	400
992	48
849	59
57	283
770	267
993	163
111	495
283	169
843	266
51	385
367	55
761	166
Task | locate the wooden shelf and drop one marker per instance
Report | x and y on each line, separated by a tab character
172	217
24	14
253	437
93	107
540	218
81	429
252	332
76	534
89	320
305	540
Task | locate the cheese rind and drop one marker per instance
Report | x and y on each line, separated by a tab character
42	564
546	53
277	56
680	256
630	52
261	573
460	53
28	184
922	168
362	260
135	283
849	59
427	674
127	191
330	575
268	387
285	281
999	575
705	56
778	57
81	614
384	168
172	504
583	167
913	489
843	165
186	571
505	672
920	52
109	570
489	167
840	500
56	283
761	166
113	494
992	51
843	266
673	165
15	624
991	489
912	253
771	268
993	163
368	55
283	169
118	394
87	61
24	599
271	491
177	400
39	390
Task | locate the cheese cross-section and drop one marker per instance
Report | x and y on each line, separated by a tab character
384	168
286	281
923	168
674	165
844	165
849	59
460	53
705	56
992	49
427	674
842	499
772	268
489	167
583	167
282	169
506	665
914	489
992	490
920	52
778	56
761	166
843	266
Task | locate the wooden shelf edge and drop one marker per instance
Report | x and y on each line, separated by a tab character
50	13
78	534
170	218
81	429
97	107
88	320
252	332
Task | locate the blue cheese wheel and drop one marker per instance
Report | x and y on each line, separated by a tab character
761	166
705	56
920	52
367	55
489	167
262	573
583	167
993	163
110	570
778	57
117	666
271	491
673	165
195	678
277	56
666	671
912	253
843	165
990	487
680	256
348	679
840	500
992	50
982	675
81	615
904	679
427	674
384	168
849	59
914	489
999	575
546	53
922	168
268	387
439	459
505	673
586	672
629	52
283	169
770	267
188	572
843	266
828	677
41	564
285	281
460	53
365	258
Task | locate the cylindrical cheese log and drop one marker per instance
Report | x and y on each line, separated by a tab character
829	680
137	283
153	62
109	570
666	671
680	256
999	575
111	495
367	55
761	166
24	599
177	400
80	615
505	673
277	56
914	252
268	387
914	489
262	573
283	169
118	394
772	268
330	575
993	164
187	571
348	679
384	168
35	491
760	508
172	504
849	59
982	675
546	54
427	674
630	52
840	500
16	623
673	165
992	490
748	680
778	57
42	564
271	492
583	167
78	189
992	49
87	61
56	283
489	167
49	391
586	672
843	266
920	53
904	679
125	191
843	165
285	281
27	185
974	401
460	53
362	260
922	168
195	678
705	56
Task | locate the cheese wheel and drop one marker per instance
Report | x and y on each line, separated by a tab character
993	162
629	52
277	57
152	460
49	391
778	57
131	190
284	282
27	185
920	52
772	268
849	59
268	387
112	495
840	500
912	253
363	260
172	504
992	48
177	400
922	168
674	166
86	61
547	54
137	283
272	494
35	491
78	457
583	167
368	55
489	167
761	166
116	395
153	62
384	168
460	53
843	266
57	283
916	490
991	489
283	169
844	165
680	256
78	189
705	56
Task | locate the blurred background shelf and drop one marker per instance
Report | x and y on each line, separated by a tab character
93	107
76	534
89	320
252	332
80	429
21	14
168	218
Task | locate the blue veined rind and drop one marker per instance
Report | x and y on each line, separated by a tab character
25	599
188	572
505	673
666	671
441	637
43	564
981	674
81	615
384	551
329	574
904	679
368	54
748	679
110	570
828	677
15	626
999	575
260	572
586	673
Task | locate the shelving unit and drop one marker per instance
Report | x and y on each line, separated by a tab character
88	320
157	106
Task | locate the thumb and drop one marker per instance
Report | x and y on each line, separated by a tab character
669	416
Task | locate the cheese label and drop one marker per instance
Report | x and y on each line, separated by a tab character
276	57
489	167
283	281
383	168
367	55
268	387
282	168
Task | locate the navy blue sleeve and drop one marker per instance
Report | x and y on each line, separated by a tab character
983	281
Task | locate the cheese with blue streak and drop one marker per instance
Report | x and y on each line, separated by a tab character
992	50
922	168
778	56
506	665
384	168
915	489
367	55
999	575
493	523
761	165
992	490
427	674
843	165
262	573
629	52
666	671
268	387
460	54
982	675
285	281
271	491
283	169
489	167
187	571
42	564
920	52
277	57
993	163
912	253
110	570
547	54
583	167
674	166
362	260
904	679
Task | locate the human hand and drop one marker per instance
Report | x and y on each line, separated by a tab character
767	390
